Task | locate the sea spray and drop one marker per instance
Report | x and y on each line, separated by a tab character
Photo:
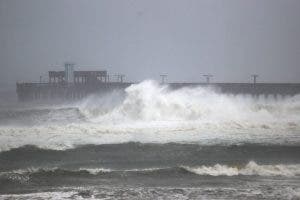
251	168
150	112
151	102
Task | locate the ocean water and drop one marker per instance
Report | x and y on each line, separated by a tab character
150	142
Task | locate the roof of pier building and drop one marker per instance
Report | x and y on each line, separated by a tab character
79	73
90	73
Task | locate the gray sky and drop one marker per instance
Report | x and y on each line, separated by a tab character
230	39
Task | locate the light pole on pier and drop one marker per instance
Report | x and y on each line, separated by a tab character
121	77
163	78
254	76
207	77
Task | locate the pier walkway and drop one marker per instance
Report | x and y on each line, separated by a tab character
34	91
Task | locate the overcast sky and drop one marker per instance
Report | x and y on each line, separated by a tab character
230	39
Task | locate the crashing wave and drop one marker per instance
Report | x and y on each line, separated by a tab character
149	112
149	101
251	168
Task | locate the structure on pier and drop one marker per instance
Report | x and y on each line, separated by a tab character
71	84
77	77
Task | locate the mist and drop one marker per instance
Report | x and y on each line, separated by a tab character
140	99
143	39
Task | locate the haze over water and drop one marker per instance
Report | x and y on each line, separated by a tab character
150	142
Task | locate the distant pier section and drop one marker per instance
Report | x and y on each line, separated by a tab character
71	84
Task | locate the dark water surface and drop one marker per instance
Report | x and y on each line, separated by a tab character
136	170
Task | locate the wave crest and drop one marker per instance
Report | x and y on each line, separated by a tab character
251	168
149	102
149	112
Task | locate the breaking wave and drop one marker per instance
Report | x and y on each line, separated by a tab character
250	169
149	101
149	112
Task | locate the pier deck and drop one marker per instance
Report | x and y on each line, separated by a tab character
34	91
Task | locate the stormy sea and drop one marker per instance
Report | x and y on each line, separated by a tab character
150	142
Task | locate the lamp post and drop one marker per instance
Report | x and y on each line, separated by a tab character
254	76
207	77
163	78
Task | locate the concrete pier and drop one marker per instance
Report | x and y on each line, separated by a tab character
254	89
35	91
62	90
70	84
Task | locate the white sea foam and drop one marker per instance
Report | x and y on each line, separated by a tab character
149	101
43	195
26	171
93	171
96	171
250	169
257	192
72	135
152	113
